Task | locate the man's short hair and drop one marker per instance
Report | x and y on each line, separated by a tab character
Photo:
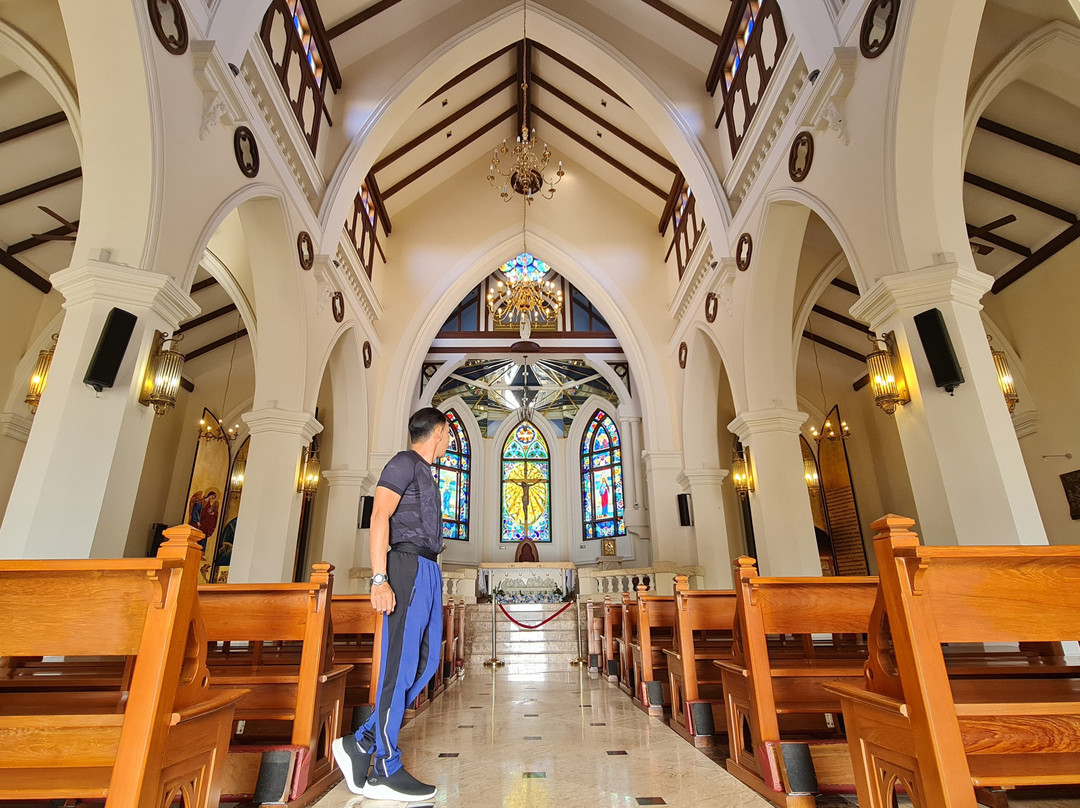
423	422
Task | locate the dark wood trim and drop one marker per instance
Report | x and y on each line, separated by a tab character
544	349
470	70
32	126
580	71
211	346
842	319
187	384
203	284
672	200
1030	141
592	116
23	271
502	335
380	208
40	185
34	241
445	122
835	346
999	241
326	51
735	14
202	319
860	383
685	21
847	287
1019	196
1045	252
483	130
600	153
360	17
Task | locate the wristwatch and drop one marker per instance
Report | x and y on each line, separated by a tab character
378	579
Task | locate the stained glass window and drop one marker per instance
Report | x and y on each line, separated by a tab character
526	486
452	473
525	267
603	508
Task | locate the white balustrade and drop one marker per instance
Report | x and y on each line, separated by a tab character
660	578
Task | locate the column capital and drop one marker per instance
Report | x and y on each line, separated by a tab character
125	287
662	461
921	288
272	419
689	478
778	419
16	425
344	478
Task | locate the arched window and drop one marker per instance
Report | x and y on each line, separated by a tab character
526	486
452	474
601	479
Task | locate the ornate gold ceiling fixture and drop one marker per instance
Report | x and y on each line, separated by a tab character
525	173
828	430
210	432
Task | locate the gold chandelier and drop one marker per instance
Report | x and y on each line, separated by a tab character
828	431
210	432
525	297
524	173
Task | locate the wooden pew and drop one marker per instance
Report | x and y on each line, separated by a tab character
454	628
594	631
702	634
358	631
612	629
276	640
625	644
656	616
778	710
941	736
163	735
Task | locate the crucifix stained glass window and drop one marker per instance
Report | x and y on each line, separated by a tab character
526	486
452	476
603	508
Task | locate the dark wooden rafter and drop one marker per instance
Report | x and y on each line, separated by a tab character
592	116
1018	196
202	319
34	241
1030	141
470	70
847	287
566	130
461	144
835	346
40	185
672	201
360	17
685	21
997	241
1039	256
26	273
205	283
380	208
843	319
187	384
218	343
579	71
32	126
861	382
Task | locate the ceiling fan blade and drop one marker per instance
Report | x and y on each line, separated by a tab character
58	218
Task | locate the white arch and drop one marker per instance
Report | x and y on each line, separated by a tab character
348	383
574	436
837	264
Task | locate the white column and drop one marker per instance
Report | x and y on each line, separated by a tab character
710	524
342	537
962	455
783	523
75	490
265	546
670	541
641	491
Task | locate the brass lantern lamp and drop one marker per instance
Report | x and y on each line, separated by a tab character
310	471
741	474
1004	375
163	374
40	376
886	376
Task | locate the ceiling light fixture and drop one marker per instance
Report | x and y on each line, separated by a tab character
828	431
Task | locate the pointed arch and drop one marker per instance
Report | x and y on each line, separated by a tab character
453	473
600	453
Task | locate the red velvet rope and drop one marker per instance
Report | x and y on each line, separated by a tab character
545	620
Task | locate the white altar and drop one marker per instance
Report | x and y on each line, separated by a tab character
528	582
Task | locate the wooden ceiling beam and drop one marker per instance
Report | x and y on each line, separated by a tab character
203	284
360	17
685	21
861	382
470	70
23	271
1032	142
999	241
1019	196
380	208
843	319
1044	253
32	126
592	116
202	319
580	71
672	200
40	185
34	241
483	130
847	287
212	346
566	130
834	346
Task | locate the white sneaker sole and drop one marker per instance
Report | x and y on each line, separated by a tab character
381	792
344	763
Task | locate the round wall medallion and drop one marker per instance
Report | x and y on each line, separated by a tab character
305	250
878	27
167	18
247	151
801	156
337	306
711	304
743	251
366	351
682	355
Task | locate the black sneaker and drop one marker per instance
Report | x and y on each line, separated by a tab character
353	762
400	786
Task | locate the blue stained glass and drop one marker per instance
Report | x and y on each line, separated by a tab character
452	478
603	504
602	441
526	494
450	461
525	267
616	455
601	460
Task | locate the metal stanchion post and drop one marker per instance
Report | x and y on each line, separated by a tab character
495	662
580	662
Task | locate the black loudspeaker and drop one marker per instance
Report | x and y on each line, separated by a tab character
939	349
686	511
366	504
110	349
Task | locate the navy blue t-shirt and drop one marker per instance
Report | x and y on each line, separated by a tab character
418	519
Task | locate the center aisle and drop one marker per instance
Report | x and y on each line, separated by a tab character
558	739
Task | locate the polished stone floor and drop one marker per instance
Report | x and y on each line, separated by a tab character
535	739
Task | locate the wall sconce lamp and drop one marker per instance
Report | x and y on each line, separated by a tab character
810	472
236	479
40	376
1004	375
310	471
886	375
741	473
163	373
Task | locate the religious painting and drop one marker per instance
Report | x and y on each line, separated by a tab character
603	507
526	486
219	569
452	472
205	498
1071	481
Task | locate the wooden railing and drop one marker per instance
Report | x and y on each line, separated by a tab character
361	227
688	229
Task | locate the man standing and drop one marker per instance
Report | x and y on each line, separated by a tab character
406	586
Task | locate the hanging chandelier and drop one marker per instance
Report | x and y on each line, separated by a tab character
828	430
210	432
524	168
525	297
